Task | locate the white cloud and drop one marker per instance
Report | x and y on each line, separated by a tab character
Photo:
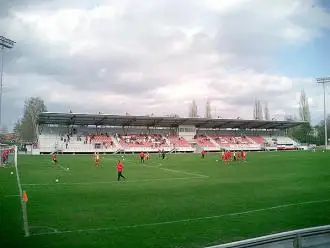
156	56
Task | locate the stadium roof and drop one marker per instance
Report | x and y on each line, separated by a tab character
119	120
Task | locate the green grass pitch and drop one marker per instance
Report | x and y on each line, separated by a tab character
182	201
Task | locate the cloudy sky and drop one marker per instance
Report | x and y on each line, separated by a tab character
156	56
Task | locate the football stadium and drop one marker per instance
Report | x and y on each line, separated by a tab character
178	187
96	147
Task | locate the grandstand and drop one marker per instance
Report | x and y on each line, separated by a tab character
87	133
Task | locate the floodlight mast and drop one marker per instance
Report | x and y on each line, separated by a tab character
324	81
8	44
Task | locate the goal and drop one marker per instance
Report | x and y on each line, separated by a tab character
8	156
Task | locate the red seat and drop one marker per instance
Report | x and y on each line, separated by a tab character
204	141
179	142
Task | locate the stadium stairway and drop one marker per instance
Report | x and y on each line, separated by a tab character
168	142
115	142
199	147
251	140
214	142
173	150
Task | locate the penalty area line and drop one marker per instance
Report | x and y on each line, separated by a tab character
183	220
61	166
160	166
184	172
11	196
114	182
54	230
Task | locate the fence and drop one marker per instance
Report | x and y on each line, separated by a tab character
316	237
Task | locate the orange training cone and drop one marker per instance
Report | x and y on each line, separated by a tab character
25	198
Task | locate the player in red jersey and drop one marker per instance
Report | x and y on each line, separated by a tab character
142	155
120	168
222	156
229	154
225	157
244	154
239	155
6	155
203	153
54	158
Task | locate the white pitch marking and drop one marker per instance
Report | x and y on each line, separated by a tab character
185	220
47	227
63	167
184	172
178	171
112	182
7	196
172	170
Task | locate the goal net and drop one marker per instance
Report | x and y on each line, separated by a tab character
8	156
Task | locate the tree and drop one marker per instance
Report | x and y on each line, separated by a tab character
304	112
257	112
26	127
208	110
320	130
302	133
17	128
193	109
266	112
290	117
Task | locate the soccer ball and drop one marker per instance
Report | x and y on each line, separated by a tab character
216	160
56	180
11	173
67	168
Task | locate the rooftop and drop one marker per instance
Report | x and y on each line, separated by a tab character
122	120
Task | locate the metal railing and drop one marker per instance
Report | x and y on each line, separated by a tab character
303	238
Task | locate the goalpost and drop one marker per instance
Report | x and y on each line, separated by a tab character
9	160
